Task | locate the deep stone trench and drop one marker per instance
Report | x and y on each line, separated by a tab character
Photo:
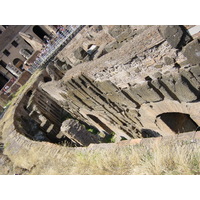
33	130
43	119
177	122
30	125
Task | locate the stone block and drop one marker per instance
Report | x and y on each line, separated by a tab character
124	35
175	35
80	53
77	133
192	52
168	60
106	86
180	88
112	46
97	28
120	33
172	34
195	70
117	30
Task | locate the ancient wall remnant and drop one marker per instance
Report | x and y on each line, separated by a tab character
149	86
130	97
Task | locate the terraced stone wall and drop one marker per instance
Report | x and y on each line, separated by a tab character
127	90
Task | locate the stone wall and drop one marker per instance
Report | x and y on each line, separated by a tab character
126	92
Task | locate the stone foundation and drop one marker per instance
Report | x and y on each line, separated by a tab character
131	92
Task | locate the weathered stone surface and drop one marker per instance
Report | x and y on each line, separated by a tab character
112	46
80	53
127	96
192	52
176	84
117	30
176	36
97	28
172	34
53	72
195	71
120	33
124	35
77	133
168	60
58	63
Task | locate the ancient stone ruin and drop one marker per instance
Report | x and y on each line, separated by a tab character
139	82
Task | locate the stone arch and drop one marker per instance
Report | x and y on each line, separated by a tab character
154	116
178	122
27	50
39	32
18	63
25	53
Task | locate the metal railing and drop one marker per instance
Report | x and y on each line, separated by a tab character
52	48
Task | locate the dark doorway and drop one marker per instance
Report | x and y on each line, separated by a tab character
39	32
3	64
47	79
3	81
178	122
29	93
95	119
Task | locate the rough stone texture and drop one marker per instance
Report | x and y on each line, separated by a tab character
80	53
112	46
192	52
62	66
172	34
121	32
121	92
175	35
114	93
168	60
98	28
54	72
77	133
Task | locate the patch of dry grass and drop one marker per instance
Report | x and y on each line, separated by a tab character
159	159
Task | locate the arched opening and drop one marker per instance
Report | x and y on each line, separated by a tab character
29	93
47	79
178	122
25	53
39	32
28	51
18	63
100	123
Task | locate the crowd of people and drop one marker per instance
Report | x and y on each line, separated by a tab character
52	43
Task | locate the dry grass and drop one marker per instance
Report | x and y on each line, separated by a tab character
159	159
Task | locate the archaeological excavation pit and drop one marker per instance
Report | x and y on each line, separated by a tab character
134	85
